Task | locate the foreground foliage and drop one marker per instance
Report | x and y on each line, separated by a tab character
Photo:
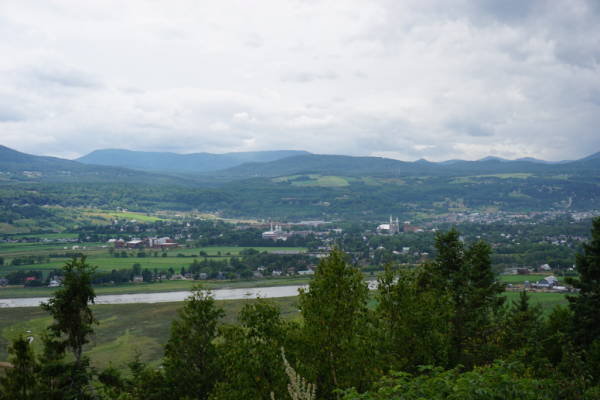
439	331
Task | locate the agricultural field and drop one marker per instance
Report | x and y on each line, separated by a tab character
507	176
99	256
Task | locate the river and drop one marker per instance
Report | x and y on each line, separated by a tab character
220	294
165	297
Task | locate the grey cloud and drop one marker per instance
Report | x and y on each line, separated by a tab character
253	40
470	127
468	77
62	76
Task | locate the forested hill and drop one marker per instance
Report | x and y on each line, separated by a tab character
173	162
20	167
325	164
316	163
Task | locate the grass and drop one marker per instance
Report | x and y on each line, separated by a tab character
123	329
100	256
547	300
8	228
518	194
507	176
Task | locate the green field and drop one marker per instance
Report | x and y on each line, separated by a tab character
100	256
506	176
125	328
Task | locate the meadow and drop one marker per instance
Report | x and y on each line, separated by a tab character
125	328
98	255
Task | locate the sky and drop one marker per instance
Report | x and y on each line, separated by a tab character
403	79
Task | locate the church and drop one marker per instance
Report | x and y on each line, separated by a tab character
392	228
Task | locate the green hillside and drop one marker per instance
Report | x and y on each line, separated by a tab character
20	167
173	162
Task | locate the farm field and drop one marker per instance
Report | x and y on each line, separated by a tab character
125	328
507	176
99	256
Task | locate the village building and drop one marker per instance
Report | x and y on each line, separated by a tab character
276	233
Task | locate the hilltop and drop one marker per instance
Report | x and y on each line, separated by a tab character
185	163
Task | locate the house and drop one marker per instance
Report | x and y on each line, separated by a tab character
3	281
545	267
276	273
55	281
30	278
138	278
257	274
522	271
411	228
307	272
189	275
203	275
548	282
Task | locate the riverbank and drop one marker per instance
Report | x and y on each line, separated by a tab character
125	328
15	292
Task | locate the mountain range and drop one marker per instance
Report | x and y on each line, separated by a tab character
210	170
173	162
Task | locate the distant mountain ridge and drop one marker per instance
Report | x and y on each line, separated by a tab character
17	166
182	163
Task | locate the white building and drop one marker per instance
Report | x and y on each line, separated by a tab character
275	233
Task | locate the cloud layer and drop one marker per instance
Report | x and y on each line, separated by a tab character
411	79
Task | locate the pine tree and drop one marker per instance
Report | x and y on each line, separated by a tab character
586	305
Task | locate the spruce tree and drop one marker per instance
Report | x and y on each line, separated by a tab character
586	304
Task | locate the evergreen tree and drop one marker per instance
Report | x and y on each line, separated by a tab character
72	327
466	275
586	304
19	381
190	354
338	332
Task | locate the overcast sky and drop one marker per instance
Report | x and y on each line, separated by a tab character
399	79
